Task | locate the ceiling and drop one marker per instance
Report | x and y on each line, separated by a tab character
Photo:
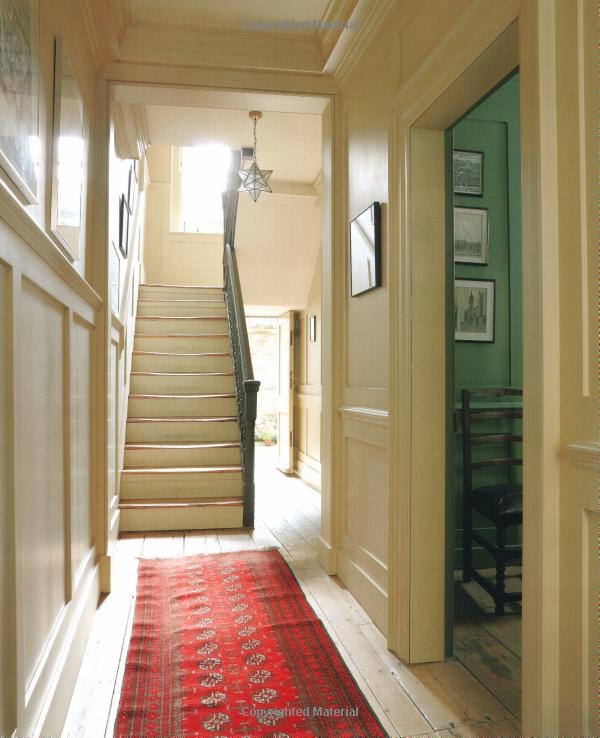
311	36
240	16
288	134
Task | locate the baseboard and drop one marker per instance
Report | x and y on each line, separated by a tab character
365	590
309	474
327	556
73	639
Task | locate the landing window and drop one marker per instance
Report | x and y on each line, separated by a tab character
199	176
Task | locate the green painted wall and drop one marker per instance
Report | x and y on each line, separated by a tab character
492	127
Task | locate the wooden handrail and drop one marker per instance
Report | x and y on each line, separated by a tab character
246	385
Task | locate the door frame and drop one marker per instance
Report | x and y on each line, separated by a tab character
494	41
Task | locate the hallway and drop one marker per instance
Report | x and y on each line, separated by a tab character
423	700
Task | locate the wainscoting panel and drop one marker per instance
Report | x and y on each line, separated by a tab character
48	574
363	513
40	457
8	676
308	437
81	446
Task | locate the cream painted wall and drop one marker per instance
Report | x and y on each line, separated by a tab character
307	395
48	320
170	257
277	240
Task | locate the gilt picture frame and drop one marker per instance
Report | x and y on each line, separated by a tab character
20	148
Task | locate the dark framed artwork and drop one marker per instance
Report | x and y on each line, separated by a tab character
467	172
312	328
123	226
365	251
474	310
471	235
131	189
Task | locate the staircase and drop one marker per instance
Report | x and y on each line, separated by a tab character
182	467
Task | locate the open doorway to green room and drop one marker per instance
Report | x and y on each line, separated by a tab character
484	351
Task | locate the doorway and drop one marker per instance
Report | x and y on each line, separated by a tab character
485	350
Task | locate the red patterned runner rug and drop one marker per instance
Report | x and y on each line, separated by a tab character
227	645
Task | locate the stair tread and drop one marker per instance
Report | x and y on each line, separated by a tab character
172	353
181	335
184	286
210	395
181	317
181	502
186	300
189	445
185	419
181	374
230	468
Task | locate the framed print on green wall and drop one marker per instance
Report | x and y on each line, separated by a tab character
471	235
474	307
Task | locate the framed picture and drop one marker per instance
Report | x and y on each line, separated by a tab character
131	189
474	308
471	235
19	97
312	328
123	225
365	251
115	278
68	155
468	172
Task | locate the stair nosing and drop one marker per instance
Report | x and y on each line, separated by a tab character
149	503
158	470
191	445
181	374
181	317
172	353
159	395
185	419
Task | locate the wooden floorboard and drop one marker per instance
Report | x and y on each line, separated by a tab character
441	700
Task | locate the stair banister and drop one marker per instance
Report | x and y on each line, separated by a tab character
246	385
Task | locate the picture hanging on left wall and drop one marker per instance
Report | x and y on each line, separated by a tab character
123	225
19	97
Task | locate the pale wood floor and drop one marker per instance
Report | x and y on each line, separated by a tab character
441	699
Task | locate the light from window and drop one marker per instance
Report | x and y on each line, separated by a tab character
203	171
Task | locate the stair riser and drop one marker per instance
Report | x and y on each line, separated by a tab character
182	344
186	384
179	457
174	432
206	518
179	293
188	325
152	363
174	407
177	486
180	309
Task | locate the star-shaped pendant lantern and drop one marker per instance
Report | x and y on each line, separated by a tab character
254	179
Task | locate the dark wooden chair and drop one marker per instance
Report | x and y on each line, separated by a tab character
492	438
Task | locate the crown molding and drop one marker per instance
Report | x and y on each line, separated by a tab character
98	31
131	129
149	43
333	24
120	15
367	18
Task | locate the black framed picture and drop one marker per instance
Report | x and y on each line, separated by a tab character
365	251
474	308
312	329
471	235
467	172
131	189
123	226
